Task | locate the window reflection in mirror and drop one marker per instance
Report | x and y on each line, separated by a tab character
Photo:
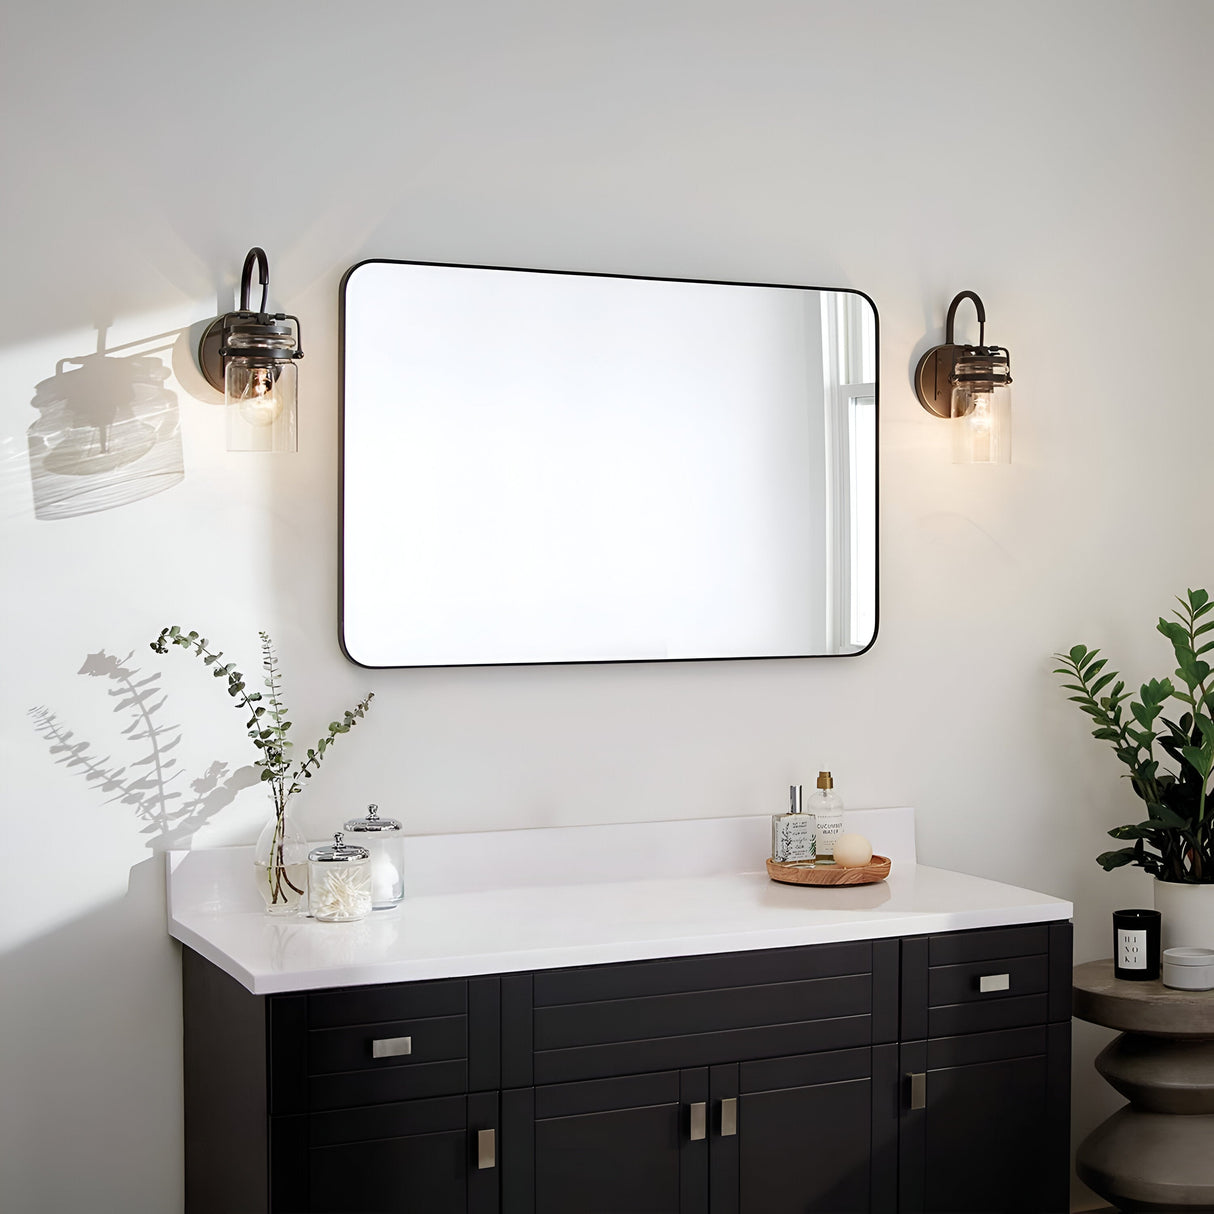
549	467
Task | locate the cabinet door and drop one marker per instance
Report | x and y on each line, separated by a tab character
812	1135
984	1127
416	1157
633	1145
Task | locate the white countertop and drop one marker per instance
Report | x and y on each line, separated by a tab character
540	899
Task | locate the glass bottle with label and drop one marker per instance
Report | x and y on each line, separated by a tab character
828	810
793	836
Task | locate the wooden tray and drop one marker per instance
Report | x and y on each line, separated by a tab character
829	874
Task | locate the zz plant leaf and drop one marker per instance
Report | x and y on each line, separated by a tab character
1176	842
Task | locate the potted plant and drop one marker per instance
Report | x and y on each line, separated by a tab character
281	855
1165	738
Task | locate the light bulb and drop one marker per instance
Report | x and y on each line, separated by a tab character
261	405
980	414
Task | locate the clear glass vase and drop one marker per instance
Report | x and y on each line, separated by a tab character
280	864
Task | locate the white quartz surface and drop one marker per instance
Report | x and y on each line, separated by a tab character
523	900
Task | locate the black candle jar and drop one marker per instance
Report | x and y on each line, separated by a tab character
1136	944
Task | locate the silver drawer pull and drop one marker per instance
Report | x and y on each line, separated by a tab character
486	1149
699	1121
918	1090
994	982
391	1047
729	1117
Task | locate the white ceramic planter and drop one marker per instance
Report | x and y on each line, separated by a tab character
1188	914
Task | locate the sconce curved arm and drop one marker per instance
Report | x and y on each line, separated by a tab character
949	340
257	257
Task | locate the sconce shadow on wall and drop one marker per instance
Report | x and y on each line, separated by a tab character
970	386
108	431
150	782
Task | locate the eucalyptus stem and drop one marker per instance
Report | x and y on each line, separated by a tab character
269	730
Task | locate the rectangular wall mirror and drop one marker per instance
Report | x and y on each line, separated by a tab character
561	467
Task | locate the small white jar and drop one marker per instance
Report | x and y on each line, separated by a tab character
1188	969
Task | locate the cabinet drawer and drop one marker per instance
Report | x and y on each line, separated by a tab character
383	1063
402	1043
988	944
700	1011
983	981
986	980
712	972
1003	992
380	1004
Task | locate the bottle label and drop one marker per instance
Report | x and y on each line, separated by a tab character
829	829
792	838
1132	948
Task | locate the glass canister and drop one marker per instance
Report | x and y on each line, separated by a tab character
339	882
382	837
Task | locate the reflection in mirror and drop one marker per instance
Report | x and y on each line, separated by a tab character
555	467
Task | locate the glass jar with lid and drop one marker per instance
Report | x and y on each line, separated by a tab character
339	882
382	837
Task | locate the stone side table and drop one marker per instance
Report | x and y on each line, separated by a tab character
1157	1153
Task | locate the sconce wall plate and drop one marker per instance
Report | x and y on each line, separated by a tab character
932	379
210	361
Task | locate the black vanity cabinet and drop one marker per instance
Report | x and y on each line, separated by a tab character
929	1073
766	1100
372	1098
986	1064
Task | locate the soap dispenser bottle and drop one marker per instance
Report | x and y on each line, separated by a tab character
792	834
828	812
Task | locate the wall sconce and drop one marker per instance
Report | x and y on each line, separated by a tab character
250	357
970	385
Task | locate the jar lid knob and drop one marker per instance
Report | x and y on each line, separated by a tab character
337	838
372	810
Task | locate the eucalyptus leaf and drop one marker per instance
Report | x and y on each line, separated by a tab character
272	743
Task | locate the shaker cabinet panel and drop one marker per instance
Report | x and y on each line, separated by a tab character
983	1129
676	975
418	1157
422	1175
805	1134
609	1146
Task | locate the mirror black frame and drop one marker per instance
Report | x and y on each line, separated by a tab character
341	454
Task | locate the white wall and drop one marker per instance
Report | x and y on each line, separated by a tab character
1050	156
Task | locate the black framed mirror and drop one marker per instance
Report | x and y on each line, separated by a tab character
543	466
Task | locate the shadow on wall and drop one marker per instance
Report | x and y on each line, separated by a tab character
107	432
150	782
91	1058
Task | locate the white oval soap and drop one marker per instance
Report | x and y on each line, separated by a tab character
852	851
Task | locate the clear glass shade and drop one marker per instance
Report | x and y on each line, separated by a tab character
982	417
261	410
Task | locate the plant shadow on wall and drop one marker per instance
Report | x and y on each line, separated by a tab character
107	432
150	783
